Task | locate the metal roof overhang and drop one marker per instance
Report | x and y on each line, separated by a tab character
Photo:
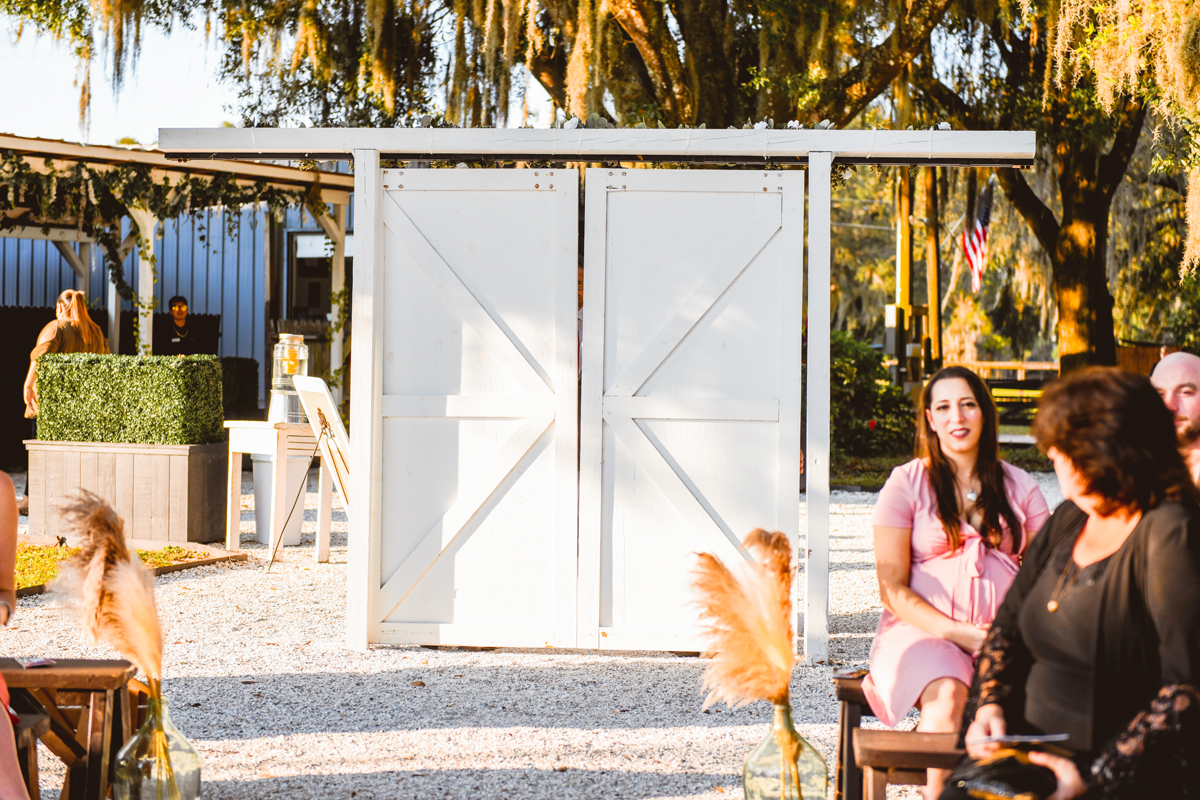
781	147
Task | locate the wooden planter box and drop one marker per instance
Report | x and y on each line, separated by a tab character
166	493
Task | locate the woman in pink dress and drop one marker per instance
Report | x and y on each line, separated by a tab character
950	528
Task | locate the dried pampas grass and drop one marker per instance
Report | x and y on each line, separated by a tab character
111	588
747	616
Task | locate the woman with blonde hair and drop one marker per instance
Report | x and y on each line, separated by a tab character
71	331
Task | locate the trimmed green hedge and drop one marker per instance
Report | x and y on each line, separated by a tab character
83	397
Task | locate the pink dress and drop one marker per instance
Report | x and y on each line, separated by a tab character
966	584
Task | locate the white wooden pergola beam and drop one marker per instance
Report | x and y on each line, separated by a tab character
819	149
333	187
980	148
48	235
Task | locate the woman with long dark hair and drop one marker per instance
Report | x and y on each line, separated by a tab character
950	527
1099	639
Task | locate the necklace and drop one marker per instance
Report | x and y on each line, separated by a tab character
1062	587
972	495
181	334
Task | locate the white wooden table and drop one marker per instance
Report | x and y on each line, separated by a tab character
278	439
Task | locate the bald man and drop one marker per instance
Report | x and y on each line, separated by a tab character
1177	379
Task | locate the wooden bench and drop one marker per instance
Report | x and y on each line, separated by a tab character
901	757
88	703
30	728
852	707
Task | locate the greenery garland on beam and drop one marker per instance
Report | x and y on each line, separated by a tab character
95	197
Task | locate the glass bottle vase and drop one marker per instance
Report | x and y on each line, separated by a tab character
157	763
784	766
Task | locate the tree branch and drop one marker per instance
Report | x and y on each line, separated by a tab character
549	67
1113	164
959	112
1036	214
643	23
843	98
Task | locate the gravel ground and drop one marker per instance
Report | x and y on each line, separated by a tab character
259	681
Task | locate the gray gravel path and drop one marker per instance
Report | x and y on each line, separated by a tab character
259	680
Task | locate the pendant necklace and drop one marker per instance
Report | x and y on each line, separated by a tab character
1062	587
972	495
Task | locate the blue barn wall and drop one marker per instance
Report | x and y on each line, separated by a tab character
197	257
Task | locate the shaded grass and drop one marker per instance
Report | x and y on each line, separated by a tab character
38	563
870	472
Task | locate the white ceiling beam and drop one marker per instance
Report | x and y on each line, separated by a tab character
1008	148
49	235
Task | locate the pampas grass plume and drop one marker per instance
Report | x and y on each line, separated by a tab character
747	618
111	588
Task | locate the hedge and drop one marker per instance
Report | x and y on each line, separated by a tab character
84	397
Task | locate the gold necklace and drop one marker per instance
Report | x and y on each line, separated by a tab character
1059	588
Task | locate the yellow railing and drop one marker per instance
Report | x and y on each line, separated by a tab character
985	368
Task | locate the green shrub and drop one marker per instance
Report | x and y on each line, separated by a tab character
870	415
84	397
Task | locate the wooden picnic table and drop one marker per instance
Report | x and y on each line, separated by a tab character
88	703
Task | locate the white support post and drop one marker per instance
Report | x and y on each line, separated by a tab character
816	567
366	425
267	266
77	262
85	258
335	229
145	289
114	319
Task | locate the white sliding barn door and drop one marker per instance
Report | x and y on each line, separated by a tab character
478	534
690	434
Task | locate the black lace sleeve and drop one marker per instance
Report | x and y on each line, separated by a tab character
1000	675
1158	755
1004	661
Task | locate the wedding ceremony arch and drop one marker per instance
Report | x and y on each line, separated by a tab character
504	494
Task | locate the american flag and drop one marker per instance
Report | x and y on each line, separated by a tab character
974	238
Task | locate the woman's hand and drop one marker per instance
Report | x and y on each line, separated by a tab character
1070	782
968	636
989	721
30	396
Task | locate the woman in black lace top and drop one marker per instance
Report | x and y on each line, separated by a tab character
1099	637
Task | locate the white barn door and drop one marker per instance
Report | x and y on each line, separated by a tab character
478	529
690	430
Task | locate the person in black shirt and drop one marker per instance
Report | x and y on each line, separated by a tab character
1099	636
175	342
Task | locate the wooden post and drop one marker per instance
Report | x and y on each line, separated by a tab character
933	265
816	567
366	424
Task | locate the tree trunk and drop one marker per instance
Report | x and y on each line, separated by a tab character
1085	306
